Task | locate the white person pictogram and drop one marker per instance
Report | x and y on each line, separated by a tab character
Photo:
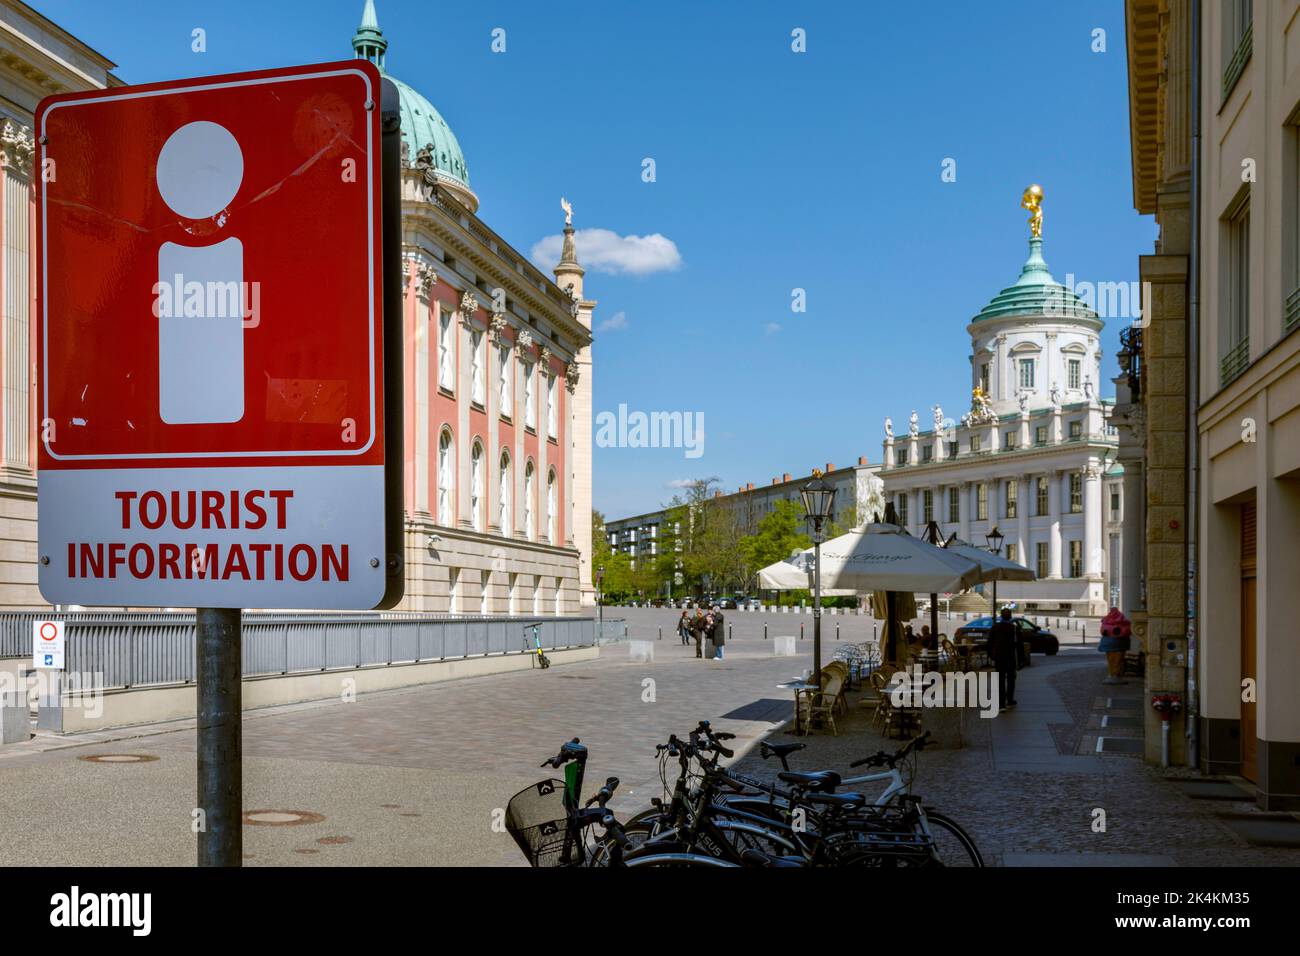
199	297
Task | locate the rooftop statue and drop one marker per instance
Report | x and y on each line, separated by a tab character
889	427
568	211
1033	201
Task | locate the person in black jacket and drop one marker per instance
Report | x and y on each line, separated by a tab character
1005	651
718	636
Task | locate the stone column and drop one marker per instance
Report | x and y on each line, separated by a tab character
462	329
1132	535
16	148
1092	520
963	510
1022	521
1054	513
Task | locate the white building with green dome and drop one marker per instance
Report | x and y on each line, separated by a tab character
498	392
1031	451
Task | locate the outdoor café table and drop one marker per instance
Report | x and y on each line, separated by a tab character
799	687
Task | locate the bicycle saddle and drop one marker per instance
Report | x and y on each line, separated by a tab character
759	858
823	781
840	801
779	750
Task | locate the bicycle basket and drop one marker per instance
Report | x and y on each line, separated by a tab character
539	823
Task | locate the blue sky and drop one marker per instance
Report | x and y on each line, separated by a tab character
775	170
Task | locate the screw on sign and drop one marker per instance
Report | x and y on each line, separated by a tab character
219	361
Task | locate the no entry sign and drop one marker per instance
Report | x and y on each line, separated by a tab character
211	344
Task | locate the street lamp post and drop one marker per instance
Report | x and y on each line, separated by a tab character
818	501
994	539
600	603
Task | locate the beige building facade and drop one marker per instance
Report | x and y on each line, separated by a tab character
37	59
1226	289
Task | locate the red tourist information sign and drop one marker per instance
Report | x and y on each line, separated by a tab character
211	343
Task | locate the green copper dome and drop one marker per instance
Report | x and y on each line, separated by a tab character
422	125
1036	293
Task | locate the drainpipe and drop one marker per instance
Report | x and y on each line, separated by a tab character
1193	377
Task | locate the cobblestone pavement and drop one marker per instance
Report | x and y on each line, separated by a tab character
414	776
410	776
1026	813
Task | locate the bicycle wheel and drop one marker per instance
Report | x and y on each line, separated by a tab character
953	846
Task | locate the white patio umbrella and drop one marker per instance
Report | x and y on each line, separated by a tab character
795	573
993	567
876	557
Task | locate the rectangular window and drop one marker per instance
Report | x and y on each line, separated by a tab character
1235	337
976	443
1076	558
1011	552
477	393
982	501
1012	484
530	395
1040	553
1114	505
1076	429
927	453
954	505
1027	373
1237	41
984	378
902	508
1076	495
927	505
503	372
446	352
1011	439
952	449
552	408
900	456
1074	377
1040	487
1040	435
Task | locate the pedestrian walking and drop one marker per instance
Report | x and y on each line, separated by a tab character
1005	650
684	629
719	636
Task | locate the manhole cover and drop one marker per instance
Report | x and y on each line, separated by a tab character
334	840
280	818
118	758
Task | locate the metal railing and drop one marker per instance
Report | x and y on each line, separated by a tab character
127	649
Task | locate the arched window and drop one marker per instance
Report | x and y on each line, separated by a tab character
446	481
503	495
529	531
476	486
505	396
550	506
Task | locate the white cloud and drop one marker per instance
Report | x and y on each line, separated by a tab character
616	321
772	328
607	251
680	483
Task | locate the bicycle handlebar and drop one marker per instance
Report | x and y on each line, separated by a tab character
880	758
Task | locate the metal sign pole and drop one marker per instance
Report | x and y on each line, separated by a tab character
218	633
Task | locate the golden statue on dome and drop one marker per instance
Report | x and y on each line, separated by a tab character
1033	201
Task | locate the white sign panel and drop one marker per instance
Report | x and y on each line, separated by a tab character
47	645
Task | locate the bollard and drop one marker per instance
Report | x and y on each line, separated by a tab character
837	630
730	633
873	632
661	633
1083	632
801	632
765	630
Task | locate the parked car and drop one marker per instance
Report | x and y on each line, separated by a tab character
1041	641
727	603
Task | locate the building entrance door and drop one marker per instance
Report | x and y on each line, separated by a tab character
1248	670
